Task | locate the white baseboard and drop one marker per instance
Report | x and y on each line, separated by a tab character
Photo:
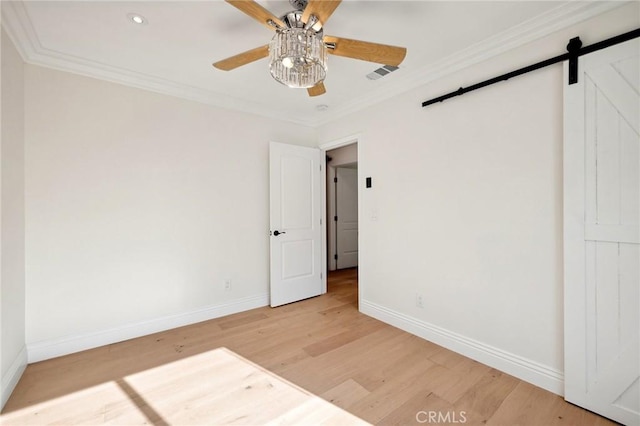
12	376
43	350
522	368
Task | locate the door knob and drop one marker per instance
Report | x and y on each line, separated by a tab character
276	233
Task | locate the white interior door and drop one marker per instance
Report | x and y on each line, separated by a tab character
347	215
295	221
602	234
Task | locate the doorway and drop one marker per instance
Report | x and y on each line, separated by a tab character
342	207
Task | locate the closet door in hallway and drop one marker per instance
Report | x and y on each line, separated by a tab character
347	217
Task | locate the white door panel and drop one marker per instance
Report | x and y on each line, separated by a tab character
347	212
295	220
602	234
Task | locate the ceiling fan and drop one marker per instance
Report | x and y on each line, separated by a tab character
298	51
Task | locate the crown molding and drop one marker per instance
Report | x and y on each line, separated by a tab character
23	36
16	22
536	28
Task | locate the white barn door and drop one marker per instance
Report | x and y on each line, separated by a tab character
295	221
602	234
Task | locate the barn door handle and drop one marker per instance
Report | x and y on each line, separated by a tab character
276	232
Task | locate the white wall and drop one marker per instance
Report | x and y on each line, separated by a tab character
12	250
138	207
468	200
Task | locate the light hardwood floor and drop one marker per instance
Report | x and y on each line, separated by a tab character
324	345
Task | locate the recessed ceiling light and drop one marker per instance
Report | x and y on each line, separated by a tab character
136	18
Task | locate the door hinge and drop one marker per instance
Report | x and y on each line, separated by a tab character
335	218
321	276
335	180
335	256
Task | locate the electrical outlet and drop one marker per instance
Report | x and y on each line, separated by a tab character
419	301
227	284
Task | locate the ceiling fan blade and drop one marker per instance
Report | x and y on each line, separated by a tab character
257	12
366	51
243	58
322	9
317	90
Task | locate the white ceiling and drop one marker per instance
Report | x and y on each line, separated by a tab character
174	51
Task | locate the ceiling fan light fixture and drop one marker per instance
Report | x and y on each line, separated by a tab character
297	58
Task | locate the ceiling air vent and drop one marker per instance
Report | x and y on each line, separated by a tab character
381	72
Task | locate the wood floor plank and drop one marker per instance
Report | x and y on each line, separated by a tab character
345	394
423	408
399	387
352	334
526	405
447	358
460	379
258	316
332	368
488	394
392	383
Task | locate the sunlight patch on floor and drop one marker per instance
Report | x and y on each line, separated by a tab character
214	387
